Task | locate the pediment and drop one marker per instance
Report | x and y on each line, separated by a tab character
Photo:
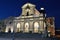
28	4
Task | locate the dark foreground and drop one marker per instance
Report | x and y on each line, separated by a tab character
24	36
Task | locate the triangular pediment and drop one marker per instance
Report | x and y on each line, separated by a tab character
28	4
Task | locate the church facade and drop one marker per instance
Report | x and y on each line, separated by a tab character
30	20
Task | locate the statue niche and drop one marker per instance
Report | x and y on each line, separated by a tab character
27	10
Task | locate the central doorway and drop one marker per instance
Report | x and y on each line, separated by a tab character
26	27
36	27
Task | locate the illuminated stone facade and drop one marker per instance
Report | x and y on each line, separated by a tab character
30	20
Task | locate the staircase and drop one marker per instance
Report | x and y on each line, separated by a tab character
24	36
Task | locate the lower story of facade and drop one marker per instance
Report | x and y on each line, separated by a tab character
34	27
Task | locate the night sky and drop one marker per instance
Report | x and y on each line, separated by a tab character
13	8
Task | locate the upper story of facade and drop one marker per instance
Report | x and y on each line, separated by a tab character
29	10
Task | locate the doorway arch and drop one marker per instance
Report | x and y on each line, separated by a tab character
18	27
26	27
9	29
36	27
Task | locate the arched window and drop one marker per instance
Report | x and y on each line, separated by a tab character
36	27
18	27
27	27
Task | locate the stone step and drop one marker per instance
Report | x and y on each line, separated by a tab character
29	39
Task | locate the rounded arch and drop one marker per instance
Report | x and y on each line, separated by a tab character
9	29
26	27
36	27
18	27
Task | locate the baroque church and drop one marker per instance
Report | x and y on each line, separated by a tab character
30	20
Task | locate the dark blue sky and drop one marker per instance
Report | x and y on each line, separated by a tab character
13	8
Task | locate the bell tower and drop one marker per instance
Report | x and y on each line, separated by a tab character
28	9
